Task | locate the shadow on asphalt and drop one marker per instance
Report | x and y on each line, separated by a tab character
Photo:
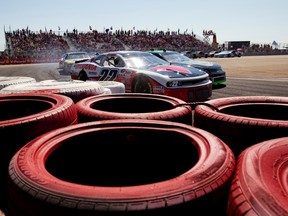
62	72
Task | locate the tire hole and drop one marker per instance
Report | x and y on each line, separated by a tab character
122	157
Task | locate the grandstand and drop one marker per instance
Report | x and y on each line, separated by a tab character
25	43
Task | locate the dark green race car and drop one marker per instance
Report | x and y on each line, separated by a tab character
216	74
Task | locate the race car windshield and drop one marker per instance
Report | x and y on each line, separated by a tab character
176	57
142	60
78	55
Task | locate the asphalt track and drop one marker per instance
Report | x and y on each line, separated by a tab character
246	76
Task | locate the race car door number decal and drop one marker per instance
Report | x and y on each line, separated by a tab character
108	75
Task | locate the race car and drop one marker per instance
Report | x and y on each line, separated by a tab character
70	58
216	74
228	54
142	72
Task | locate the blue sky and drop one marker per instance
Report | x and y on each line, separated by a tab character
258	21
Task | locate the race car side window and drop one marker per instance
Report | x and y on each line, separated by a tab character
110	61
99	59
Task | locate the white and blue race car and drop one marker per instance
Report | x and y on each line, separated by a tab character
142	72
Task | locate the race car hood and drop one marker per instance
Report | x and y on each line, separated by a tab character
177	71
200	64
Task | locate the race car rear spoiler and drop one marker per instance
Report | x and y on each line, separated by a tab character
82	60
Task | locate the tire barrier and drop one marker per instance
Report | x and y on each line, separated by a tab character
121	167
24	117
115	87
75	89
134	106
12	80
260	186
243	121
107	91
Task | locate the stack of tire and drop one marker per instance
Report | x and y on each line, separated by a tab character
30	109
129	154
134	106
147	154
122	167
24	117
75	89
244	121
256	130
260	186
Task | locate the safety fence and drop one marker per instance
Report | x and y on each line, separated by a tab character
8	61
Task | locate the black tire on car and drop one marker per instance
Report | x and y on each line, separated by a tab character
243	121
26	116
134	106
83	76
141	84
122	167
260	185
12	80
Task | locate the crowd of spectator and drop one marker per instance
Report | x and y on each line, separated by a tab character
135	40
47	44
27	44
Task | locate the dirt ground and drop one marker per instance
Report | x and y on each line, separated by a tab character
254	66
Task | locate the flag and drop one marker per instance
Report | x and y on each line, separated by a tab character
90	28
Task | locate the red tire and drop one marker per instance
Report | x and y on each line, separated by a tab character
243	121
121	167
25	117
134	106
260	182
29	115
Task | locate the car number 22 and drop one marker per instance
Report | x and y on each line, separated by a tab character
108	75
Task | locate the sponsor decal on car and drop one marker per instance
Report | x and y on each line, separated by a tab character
171	68
125	73
158	89
86	67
